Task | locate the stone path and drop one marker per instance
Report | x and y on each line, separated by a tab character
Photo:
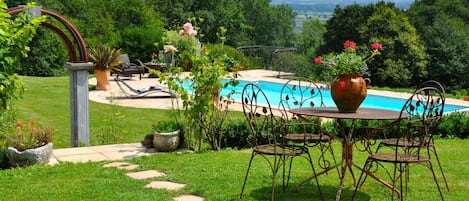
149	174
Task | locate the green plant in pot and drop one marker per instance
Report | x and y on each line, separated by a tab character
166	135
105	59
29	144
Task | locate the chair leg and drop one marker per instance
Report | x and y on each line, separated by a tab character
439	165
310	159
366	167
430	166
246	177
333	158
288	176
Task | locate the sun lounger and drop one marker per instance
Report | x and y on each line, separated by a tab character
131	92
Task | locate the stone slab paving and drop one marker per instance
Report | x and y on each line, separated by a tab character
165	185
188	198
121	165
147	174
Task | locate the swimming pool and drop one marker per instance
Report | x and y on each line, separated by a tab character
272	90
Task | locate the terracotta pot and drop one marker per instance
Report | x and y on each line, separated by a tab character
166	141
348	92
102	79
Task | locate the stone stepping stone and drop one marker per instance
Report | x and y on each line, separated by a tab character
121	165
145	174
188	198
116	164
165	185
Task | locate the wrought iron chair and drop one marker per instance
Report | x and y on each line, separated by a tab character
391	142
267	129
297	93
420	115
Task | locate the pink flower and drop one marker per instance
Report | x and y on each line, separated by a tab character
376	46
192	32
188	30
318	60
187	27
342	85
350	44
169	48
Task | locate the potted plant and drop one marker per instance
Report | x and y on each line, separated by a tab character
348	88
105	59
29	145
166	135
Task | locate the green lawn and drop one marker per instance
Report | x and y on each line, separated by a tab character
213	175
48	101
218	176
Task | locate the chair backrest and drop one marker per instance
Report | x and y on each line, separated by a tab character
125	59
265	127
425	107
299	92
432	83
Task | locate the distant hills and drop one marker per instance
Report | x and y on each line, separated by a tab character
404	4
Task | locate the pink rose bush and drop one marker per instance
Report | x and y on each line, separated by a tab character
188	30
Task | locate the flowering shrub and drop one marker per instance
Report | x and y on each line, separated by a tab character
204	110
185	43
28	136
188	30
348	61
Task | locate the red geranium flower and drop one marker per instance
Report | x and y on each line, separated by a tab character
317	60
350	44
376	46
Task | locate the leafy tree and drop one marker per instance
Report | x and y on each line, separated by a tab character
139	42
310	37
443	25
449	50
402	62
47	56
344	25
282	19
14	38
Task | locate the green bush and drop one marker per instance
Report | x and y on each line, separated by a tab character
139	42
47	56
236	134
453	125
230	56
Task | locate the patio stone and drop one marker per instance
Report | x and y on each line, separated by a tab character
165	185
145	174
121	165
188	198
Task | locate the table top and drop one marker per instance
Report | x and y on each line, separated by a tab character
362	113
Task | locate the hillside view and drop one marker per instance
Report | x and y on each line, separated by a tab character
323	9
399	3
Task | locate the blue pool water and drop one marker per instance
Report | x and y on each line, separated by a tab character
272	90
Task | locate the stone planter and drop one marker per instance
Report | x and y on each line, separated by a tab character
165	142
40	155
